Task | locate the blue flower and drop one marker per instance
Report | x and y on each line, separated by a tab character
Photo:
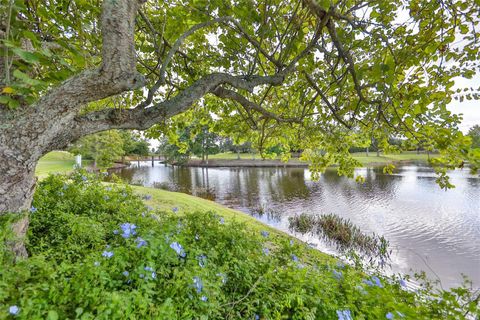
14	310
257	317
96	263
294	257
264	234
126	273
337	274
344	315
149	208
128	230
107	254
197	284
340	265
178	249
65	186
203	298
140	242
33	209
361	289
61	194
108	188
403	283
266	251
154	275
197	237
141	275
202	260
389	315
368	282
148	269
115	231
175	209
106	198
84	178
292	242
222	221
223	276
377	281
147	197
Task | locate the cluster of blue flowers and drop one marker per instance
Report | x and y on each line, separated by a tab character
374	282
177	247
337	274
140	242
391	315
128	230
14	310
202	260
344	315
107	254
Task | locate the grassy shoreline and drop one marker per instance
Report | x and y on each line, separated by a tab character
229	159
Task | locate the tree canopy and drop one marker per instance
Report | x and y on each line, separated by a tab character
307	75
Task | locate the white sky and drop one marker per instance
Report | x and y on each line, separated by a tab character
469	108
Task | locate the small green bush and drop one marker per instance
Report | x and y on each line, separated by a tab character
97	252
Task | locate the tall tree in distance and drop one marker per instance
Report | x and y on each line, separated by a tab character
307	68
474	134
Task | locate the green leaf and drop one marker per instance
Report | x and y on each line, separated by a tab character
26	55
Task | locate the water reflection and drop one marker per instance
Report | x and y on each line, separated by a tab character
428	228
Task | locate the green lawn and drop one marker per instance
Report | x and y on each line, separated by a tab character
360	156
55	162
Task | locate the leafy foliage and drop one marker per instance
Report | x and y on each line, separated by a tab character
97	252
353	71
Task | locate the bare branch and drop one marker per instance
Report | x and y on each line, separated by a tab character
326	101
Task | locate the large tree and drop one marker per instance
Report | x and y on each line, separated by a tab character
318	75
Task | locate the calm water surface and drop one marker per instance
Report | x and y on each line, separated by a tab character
429	229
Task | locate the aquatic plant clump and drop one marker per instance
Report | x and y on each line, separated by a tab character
343	233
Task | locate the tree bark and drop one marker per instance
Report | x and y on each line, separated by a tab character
17	184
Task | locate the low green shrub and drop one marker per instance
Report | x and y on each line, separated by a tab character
97	252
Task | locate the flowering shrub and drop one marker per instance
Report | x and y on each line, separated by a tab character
97	252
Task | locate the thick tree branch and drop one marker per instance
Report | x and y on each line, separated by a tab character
144	118
116	74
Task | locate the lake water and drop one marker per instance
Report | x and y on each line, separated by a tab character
428	228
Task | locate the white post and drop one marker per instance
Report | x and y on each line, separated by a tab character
78	161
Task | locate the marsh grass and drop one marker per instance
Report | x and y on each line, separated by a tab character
344	234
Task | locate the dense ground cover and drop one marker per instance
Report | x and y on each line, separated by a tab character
98	251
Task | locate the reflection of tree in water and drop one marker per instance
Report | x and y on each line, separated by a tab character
288	184
376	185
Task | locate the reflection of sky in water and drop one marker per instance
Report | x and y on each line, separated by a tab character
424	224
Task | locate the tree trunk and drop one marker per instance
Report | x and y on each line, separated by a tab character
378	152
17	184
